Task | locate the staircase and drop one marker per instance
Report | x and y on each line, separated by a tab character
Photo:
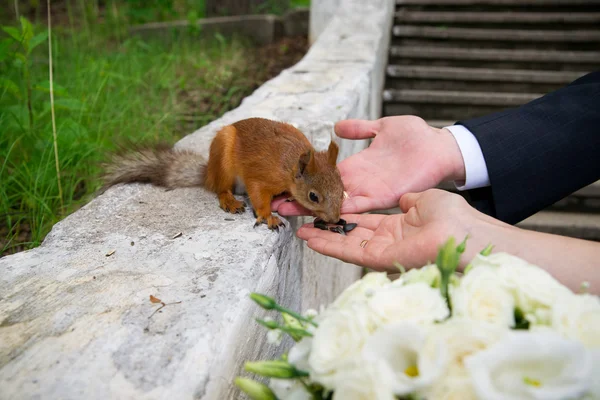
458	59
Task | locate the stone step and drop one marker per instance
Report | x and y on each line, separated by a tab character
424	77
522	3
481	74
490	17
439	111
440	123
553	58
550	60
441	104
578	225
458	97
497	35
592	190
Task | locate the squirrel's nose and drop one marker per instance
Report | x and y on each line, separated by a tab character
333	217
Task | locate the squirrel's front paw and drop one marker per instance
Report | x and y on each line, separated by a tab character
272	222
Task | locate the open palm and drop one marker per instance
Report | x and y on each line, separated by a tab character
411	239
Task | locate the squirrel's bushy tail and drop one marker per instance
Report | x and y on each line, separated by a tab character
161	166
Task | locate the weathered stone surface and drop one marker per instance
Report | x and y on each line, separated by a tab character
76	321
321	13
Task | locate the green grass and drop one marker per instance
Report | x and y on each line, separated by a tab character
107	91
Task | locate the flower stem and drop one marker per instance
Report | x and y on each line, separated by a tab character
295	315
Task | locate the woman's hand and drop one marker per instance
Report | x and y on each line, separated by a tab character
411	239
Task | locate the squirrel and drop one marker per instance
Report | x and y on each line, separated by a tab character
269	158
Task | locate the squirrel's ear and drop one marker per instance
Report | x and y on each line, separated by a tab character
305	159
332	153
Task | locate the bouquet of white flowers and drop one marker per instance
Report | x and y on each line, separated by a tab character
505	329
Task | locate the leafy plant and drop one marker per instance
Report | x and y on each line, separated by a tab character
17	49
105	91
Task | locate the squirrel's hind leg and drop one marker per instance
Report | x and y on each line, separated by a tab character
220	176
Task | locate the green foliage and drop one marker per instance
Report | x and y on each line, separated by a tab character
106	92
300	3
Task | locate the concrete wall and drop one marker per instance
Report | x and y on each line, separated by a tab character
321	14
75	316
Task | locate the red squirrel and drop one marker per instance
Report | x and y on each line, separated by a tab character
268	157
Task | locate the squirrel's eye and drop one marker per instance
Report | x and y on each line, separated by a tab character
313	197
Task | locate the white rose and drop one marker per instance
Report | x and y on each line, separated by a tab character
360	290
527	365
289	389
399	345
451	388
429	274
577	317
497	260
298	354
371	381
338	341
533	288
594	392
461	337
419	303
482	297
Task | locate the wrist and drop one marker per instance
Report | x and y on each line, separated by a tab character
486	232
454	168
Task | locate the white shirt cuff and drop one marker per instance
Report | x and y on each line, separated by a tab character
476	173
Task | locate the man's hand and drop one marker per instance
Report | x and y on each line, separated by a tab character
412	238
406	155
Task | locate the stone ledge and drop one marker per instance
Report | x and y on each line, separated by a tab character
74	322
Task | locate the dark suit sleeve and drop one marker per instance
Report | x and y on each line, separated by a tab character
540	152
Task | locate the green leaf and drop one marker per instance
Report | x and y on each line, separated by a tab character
487	251
37	40
17	116
20	57
44	86
274	369
520	321
468	269
72	129
463	245
220	38
254	390
69	104
27	30
13	32
10	86
265	302
448	257
268	324
5	46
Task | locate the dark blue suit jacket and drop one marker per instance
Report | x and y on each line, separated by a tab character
540	152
